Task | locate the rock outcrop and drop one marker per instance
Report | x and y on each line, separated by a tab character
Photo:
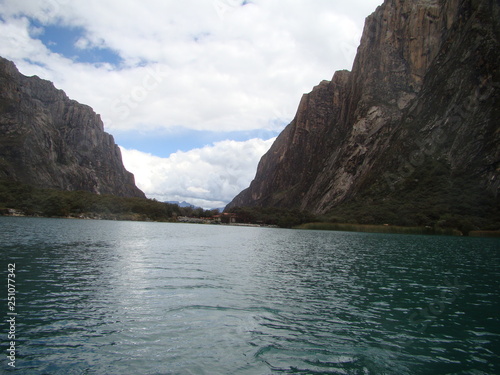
415	119
50	141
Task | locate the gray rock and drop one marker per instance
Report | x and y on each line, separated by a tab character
50	141
423	91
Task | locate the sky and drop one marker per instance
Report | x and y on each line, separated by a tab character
194	91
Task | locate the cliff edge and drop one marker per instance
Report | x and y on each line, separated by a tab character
50	141
415	122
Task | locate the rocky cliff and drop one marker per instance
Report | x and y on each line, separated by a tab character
414	123
50	141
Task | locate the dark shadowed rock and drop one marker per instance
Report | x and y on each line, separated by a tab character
50	141
417	117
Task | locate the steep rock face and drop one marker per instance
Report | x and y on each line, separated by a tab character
423	91
300	145
50	141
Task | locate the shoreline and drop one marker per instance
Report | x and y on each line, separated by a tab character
326	226
395	229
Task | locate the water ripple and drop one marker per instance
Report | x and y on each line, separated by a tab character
150	298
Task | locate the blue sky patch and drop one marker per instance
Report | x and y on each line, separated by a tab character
163	144
62	40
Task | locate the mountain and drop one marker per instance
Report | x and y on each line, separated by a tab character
181	204
411	131
50	141
185	204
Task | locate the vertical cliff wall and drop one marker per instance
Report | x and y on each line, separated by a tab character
416	118
50	141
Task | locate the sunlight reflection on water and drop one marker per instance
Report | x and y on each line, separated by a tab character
103	297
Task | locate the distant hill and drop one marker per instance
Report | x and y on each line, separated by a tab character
184	204
181	204
50	141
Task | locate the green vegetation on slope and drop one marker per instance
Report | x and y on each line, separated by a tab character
55	203
430	201
281	217
430	197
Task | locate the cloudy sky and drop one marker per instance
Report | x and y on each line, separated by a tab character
193	91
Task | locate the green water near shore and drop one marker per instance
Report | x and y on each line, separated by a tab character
108	297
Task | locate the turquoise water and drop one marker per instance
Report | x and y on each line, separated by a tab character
104	297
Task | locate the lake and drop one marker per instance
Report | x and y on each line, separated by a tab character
110	297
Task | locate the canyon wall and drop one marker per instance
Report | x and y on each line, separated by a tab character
417	118
50	141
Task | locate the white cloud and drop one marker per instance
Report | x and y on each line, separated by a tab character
209	65
208	177
219	66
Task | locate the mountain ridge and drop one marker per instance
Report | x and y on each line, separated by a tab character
420	107
50	141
